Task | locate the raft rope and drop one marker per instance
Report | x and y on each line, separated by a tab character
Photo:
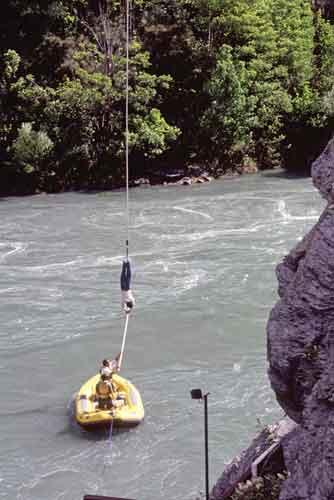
110	434
106	462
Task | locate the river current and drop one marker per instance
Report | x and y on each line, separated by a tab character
204	260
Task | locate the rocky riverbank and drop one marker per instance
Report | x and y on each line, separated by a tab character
188	176
15	184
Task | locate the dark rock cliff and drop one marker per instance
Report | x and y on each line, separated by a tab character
301	349
300	342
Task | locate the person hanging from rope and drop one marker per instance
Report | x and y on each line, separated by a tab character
110	366
128	300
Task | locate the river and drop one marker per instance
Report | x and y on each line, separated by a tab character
204	258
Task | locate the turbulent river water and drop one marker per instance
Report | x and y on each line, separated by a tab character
204	259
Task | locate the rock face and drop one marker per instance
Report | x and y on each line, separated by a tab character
300	335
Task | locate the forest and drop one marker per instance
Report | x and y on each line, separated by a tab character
227	86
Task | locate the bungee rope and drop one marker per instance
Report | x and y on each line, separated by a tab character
127	132
123	342
128	300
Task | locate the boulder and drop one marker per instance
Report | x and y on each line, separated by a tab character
206	177
142	181
196	170
185	181
167	174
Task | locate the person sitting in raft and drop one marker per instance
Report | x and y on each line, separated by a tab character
104	393
110	366
107	394
128	300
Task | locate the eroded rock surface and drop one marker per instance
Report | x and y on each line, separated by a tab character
300	336
239	470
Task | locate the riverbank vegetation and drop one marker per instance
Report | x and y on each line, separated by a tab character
229	86
266	487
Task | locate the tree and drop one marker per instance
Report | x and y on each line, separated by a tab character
9	118
226	121
84	115
31	148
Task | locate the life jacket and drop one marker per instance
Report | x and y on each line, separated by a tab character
105	390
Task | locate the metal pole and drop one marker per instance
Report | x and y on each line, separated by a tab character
206	446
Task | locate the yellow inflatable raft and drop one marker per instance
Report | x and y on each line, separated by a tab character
127	411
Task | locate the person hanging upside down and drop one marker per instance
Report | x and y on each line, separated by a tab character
128	300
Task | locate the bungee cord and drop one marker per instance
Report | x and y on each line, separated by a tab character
123	342
128	300
127	133
125	278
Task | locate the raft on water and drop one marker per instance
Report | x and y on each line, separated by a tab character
128	412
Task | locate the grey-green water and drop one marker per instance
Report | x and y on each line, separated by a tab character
204	259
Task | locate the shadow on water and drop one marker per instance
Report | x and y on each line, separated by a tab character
24	413
284	174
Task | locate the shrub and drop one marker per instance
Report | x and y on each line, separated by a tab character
31	148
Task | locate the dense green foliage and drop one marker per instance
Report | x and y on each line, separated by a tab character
224	84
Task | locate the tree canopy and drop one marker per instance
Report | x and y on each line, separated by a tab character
219	84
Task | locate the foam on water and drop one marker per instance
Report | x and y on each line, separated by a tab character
203	262
11	248
194	212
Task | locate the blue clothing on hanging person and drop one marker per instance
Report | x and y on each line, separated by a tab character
128	300
126	276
